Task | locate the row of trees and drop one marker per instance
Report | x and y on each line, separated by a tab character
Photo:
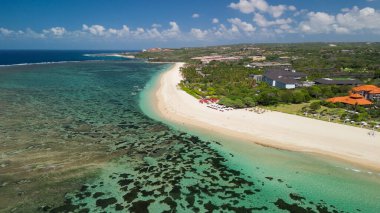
266	96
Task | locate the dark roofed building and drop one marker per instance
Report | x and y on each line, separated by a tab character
283	78
329	81
258	78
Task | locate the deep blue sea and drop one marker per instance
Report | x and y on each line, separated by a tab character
23	57
75	136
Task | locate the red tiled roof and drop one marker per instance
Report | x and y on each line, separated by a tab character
375	91
366	88
356	96
350	100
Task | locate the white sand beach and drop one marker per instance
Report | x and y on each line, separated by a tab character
273	129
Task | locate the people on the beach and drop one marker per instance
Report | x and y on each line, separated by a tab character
258	110
371	133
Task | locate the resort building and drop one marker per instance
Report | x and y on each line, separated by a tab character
157	49
268	64
199	72
208	59
352	99
363	95
370	92
258	58
330	81
257	78
283	78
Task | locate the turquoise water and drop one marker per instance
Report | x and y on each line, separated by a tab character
161	166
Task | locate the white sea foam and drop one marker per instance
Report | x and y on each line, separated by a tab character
359	171
109	55
43	63
99	54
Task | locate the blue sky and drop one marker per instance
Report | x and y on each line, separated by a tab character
127	24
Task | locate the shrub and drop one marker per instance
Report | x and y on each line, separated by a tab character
250	102
327	104
360	117
226	102
315	91
360	109
315	106
268	98
298	97
238	103
286	96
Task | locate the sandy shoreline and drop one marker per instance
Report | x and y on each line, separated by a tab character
273	129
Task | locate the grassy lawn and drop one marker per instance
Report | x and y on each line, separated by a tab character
324	113
295	109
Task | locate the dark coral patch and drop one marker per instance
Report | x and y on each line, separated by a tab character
296	197
140	206
97	194
104	203
281	204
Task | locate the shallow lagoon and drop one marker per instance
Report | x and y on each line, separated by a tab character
74	138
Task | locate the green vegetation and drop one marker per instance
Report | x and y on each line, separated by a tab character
326	111
189	91
295	109
347	60
231	83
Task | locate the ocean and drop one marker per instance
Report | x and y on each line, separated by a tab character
80	135
25	57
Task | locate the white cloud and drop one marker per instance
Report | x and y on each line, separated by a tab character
5	32
267	23
138	32
234	29
58	31
351	21
195	15
278	10
261	21
154	33
292	8
222	32
124	31
215	21
173	32
300	12
55	31
360	19
242	25
198	33
318	22
281	25
156	25
32	34
97	30
250	6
